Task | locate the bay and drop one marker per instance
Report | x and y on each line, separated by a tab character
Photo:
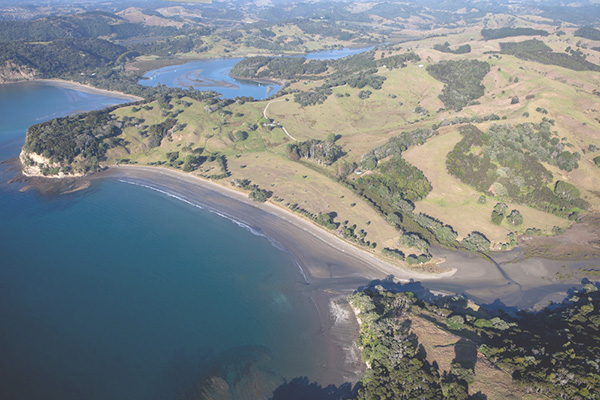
123	292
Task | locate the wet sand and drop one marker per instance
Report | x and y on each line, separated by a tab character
332	268
85	88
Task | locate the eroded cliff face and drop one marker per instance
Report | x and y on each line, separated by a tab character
12	72
37	165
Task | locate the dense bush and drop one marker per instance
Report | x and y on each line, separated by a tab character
536	50
588	32
510	164
445	48
463	81
490	34
550	352
323	152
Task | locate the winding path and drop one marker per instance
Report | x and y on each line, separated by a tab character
282	127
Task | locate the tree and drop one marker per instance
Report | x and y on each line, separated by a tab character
476	241
515	217
498	213
566	191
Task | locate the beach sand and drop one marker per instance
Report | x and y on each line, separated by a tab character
84	88
333	269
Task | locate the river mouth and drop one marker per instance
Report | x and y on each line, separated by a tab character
214	74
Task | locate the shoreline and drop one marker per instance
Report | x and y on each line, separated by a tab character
333	268
507	277
330	269
65	84
376	265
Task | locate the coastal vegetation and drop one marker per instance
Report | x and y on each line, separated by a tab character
487	352
442	132
351	124
507	162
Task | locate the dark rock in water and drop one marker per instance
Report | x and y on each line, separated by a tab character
241	373
216	388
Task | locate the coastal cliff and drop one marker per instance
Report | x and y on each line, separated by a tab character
12	72
37	165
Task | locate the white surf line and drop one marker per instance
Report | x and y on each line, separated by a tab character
282	127
252	230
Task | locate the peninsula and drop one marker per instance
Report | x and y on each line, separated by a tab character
459	148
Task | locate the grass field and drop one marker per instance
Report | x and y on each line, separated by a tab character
443	347
456	204
367	123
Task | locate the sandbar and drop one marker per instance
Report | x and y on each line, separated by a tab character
82	88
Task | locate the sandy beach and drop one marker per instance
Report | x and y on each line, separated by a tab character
331	269
81	87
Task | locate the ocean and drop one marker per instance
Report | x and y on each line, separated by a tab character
120	291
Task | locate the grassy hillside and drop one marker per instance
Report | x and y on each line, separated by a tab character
378	188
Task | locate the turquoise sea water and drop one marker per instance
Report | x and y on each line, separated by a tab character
122	292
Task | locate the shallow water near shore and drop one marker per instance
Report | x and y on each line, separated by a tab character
213	74
123	292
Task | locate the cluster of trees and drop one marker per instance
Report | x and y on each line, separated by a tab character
63	56
510	164
552	352
393	185
158	132
396	145
326	220
399	365
356	71
500	33
468	120
462	80
501	210
476	241
445	48
324	29
588	32
324	152
538	51
394	178
171	45
444	233
277	67
351	233
256	193
360	70
84	137
412	239
83	25
312	97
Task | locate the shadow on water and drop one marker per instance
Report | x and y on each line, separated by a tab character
425	294
241	373
302	389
